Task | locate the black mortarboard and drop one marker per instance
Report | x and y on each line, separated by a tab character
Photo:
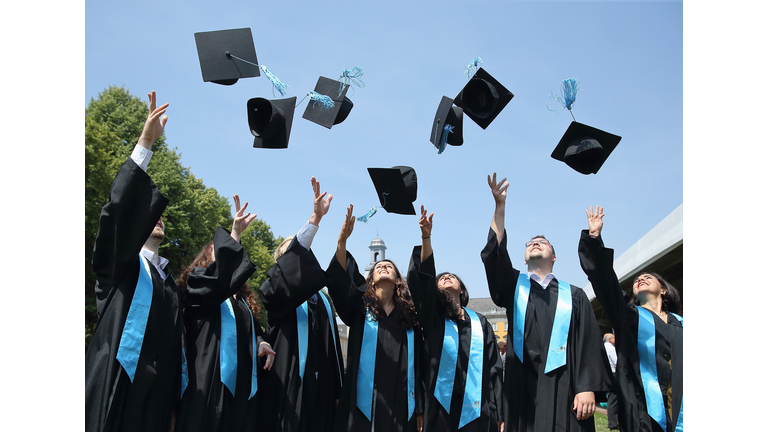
585	148
270	121
316	113
483	98
217	51
447	114
396	188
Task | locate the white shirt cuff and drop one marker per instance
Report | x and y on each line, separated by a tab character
141	156
306	235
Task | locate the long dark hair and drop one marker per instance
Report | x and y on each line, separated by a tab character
407	317
670	301
452	310
203	259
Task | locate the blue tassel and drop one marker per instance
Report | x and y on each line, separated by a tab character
325	101
351	76
364	218
476	63
275	80
568	89
444	138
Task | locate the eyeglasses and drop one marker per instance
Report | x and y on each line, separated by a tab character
539	241
447	276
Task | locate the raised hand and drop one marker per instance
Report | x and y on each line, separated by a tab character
595	220
499	189
346	231
425	223
321	206
241	221
155	123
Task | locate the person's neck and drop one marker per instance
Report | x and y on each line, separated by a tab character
540	269
152	246
652	303
386	295
457	300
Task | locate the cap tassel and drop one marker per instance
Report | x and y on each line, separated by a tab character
274	80
444	138
351	76
325	101
364	218
476	63
568	89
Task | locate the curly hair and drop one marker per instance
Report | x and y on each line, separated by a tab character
452	310
407	317
203	259
670	301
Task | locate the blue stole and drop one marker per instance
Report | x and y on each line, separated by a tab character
332	322
228	349
367	367
132	338
646	349
558	342
302	327
470	407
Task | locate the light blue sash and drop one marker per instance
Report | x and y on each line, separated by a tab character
184	374
646	349
302	330
136	321
255	357
558	342
367	367
228	347
332	321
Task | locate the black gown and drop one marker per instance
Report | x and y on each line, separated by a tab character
423	286
289	403
112	401
391	375
597	263
207	404
537	401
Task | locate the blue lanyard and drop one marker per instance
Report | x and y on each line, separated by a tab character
558	342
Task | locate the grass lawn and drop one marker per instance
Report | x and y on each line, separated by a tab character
601	423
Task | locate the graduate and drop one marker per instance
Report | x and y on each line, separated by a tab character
135	370
305	383
557	363
224	340
383	391
462	365
649	337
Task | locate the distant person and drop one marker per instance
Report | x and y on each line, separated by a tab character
224	339
383	388
503	352
558	363
135	369
609	342
305	383
463	376
649	337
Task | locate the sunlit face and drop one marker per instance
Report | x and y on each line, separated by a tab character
385	270
647	284
451	283
159	230
539	248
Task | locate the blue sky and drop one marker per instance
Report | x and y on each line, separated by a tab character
628	58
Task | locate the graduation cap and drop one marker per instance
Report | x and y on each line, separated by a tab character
329	116
396	188
270	121
483	98
227	55
585	148
447	126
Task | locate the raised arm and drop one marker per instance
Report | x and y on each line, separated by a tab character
501	276
346	230
346	285
421	276
155	124
499	191
425	223
241	221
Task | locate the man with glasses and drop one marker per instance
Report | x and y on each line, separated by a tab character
557	362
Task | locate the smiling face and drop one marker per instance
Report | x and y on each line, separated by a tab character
647	285
450	282
385	271
539	248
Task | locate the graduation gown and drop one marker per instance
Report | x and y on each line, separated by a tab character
289	403
390	412
207	404
423	286
597	263
112	401
537	401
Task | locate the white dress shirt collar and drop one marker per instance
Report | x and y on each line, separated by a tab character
159	262
547	279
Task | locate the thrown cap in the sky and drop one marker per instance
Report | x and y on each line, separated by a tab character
585	148
270	121
227	55
483	98
447	115
327	117
396	188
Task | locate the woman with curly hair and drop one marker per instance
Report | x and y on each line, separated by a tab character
649	337
463	369
224	340
382	389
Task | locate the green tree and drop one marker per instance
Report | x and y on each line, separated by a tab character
113	124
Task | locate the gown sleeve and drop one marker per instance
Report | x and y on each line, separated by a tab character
495	376
423	288
590	371
209	286
597	262
346	289
499	271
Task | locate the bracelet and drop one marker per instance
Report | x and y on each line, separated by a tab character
424	238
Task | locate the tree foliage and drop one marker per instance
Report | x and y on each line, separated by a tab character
113	124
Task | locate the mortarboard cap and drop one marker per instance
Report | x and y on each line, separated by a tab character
483	98
585	148
331	116
217	51
396	188
270	121
447	114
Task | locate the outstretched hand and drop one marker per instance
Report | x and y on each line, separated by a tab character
595	220
155	123
348	226
241	220
321	206
499	189
425	223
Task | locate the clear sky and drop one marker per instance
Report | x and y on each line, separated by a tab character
627	56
